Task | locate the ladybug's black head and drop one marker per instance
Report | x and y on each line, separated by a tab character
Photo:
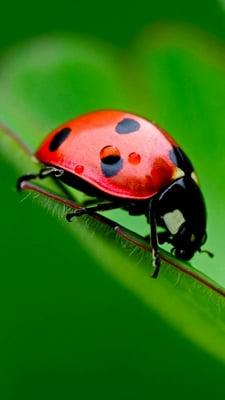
181	210
185	243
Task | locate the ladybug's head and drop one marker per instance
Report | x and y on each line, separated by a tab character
181	209
186	243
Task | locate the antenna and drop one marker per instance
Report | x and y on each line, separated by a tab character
210	254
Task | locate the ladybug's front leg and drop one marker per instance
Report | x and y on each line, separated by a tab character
154	240
43	173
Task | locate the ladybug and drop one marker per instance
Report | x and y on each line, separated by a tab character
132	164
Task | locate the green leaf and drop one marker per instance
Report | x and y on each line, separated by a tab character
90	290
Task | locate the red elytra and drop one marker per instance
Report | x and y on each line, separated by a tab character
117	152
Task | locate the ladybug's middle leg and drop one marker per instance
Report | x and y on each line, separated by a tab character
93	210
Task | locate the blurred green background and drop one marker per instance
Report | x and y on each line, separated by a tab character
118	22
69	327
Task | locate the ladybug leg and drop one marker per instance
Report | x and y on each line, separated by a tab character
154	240
163	237
43	173
92	210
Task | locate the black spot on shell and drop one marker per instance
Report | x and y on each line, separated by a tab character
179	158
110	160
111	166
59	138
127	125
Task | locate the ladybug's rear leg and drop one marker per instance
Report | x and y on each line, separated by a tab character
43	173
154	240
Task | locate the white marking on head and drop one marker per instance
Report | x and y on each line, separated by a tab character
174	220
